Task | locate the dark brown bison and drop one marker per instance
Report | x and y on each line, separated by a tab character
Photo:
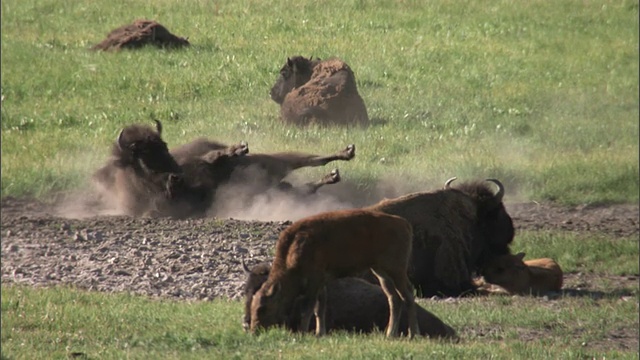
256	173
537	276
330	245
140	173
138	34
352	305
318	92
456	232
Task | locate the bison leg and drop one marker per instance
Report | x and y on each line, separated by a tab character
296	161
332	178
406	293
395	303
320	311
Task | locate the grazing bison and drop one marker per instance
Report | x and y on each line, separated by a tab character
330	245
141	172
321	92
138	34
352	305
516	276
456	232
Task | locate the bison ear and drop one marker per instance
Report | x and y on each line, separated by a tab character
520	255
289	62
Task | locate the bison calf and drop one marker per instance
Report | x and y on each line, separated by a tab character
330	245
352	305
516	276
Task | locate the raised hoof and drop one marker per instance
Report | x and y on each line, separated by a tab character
241	149
333	177
349	152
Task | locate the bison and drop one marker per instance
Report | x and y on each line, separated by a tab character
456	232
516	276
138	34
261	171
318	92
141	172
330	245
352	305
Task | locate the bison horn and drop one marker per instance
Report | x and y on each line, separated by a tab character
158	126
244	266
500	192
447	183
119	140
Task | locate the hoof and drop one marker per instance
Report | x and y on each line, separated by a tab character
333	177
241	149
350	151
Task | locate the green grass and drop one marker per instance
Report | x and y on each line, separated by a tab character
542	95
55	322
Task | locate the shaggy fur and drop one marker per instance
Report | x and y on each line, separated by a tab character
138	34
318	92
456	231
352	305
336	244
140	173
516	276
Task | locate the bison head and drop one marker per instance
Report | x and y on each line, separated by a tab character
266	306
494	225
255	278
142	148
295	73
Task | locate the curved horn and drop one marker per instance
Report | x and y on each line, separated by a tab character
244	266
158	126
447	183
500	192
119	140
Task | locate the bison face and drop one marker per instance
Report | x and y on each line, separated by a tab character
295	73
255	278
142	147
265	307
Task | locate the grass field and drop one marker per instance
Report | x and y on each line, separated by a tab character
542	95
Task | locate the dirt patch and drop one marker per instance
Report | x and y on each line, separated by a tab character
138	34
201	258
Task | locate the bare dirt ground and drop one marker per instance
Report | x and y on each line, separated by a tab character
199	259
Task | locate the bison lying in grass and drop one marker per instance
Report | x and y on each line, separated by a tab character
352	305
516	276
456	232
336	244
140	173
318	92
138	34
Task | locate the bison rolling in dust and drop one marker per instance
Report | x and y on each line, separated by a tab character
456	232
330	245
352	305
318	92
140	173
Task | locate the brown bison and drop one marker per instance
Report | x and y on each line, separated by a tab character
263	171
352	305
318	92
457	231
140	173
516	276
330	245
138	34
